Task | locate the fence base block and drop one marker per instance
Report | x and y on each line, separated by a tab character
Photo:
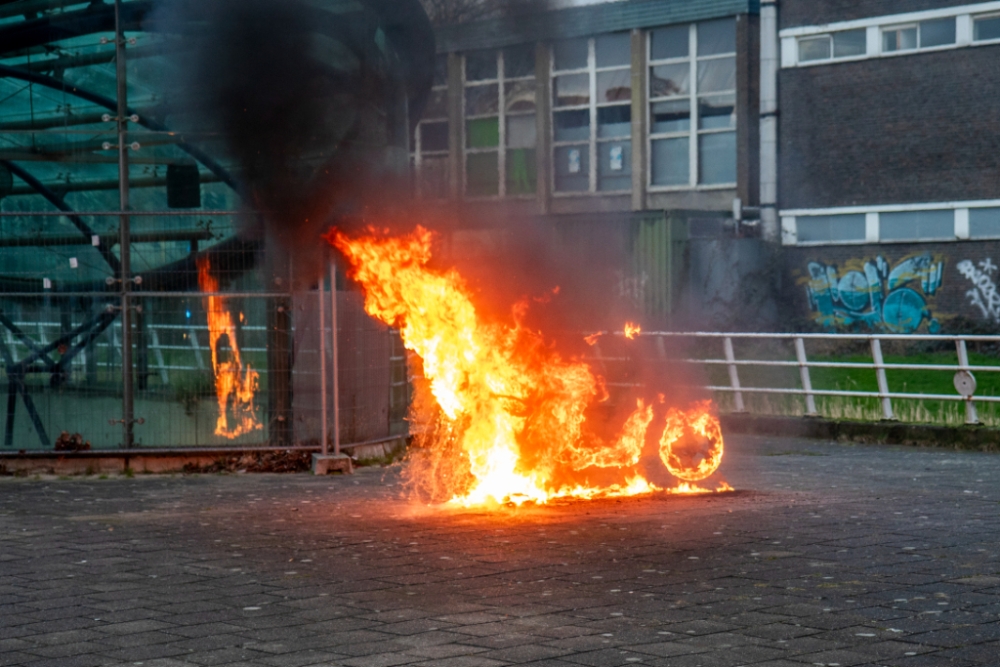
324	465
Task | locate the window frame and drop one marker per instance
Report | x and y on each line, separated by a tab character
833	57
960	211
502	116
417	154
694	131
979	17
593	141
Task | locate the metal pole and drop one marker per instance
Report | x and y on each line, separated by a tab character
769	64
971	415
734	377
125	273
321	291
800	354
336	364
883	383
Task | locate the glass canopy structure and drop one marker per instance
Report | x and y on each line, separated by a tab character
130	191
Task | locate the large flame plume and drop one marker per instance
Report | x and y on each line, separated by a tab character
512	412
235	382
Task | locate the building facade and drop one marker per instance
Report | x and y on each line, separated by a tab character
628	114
888	177
618	107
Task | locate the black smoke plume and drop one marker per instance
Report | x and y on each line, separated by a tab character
309	104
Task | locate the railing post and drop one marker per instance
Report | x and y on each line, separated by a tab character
734	377
883	383
971	415
800	355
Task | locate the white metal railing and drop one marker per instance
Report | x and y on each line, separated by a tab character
964	380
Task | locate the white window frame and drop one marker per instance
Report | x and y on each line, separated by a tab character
964	15
830	36
502	115
694	132
960	210
897	28
592	70
972	29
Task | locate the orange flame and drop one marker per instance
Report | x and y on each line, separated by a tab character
234	386
632	330
511	422
691	444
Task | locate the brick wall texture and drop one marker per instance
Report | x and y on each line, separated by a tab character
969	273
916	128
792	13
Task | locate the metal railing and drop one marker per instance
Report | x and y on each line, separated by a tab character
964	379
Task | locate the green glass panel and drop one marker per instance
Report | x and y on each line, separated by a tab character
482	133
521	171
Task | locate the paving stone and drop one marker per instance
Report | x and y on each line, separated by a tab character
860	556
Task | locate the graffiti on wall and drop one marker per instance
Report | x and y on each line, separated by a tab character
984	294
876	295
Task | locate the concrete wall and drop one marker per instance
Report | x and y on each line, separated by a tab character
893	288
731	285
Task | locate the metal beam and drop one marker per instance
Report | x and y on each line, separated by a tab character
109	240
109	184
65	62
58	202
26	7
108	103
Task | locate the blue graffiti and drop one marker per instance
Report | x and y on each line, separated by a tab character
877	297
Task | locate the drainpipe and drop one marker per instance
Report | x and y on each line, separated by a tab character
769	120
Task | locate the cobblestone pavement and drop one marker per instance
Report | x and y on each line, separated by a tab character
827	554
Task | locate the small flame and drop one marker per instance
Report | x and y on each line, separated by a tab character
235	385
632	330
592	339
502	415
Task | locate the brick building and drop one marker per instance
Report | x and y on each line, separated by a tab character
887	159
865	132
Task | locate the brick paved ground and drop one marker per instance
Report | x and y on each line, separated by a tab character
829	554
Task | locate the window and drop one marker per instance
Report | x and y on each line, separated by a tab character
844	44
986	28
899	38
984	223
917	225
924	35
499	113
692	92
430	142
592	114
830	228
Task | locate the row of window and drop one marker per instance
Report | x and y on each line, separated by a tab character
895	226
911	36
692	120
